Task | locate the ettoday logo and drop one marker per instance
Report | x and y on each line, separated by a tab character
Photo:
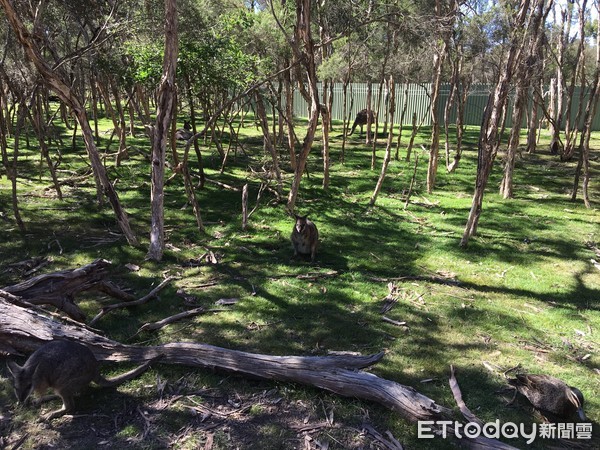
428	429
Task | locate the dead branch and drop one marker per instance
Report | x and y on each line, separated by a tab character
174	318
466	412
391	444
138	302
60	288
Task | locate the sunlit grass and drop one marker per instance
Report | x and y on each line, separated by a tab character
524	291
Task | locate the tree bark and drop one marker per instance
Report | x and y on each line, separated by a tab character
388	149
305	54
446	21
164	114
60	288
267	139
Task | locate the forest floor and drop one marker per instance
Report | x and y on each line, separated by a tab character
525	293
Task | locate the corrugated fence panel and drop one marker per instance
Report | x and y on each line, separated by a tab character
417	98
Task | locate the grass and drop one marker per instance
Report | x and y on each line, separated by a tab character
524	293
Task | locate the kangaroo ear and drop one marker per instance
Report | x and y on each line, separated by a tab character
13	368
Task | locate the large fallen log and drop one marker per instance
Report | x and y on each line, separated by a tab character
23	329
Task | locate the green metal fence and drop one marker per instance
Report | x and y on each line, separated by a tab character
417	97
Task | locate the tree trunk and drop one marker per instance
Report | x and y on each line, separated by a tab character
346	119
388	149
122	130
490	134
164	114
307	56
267	139
368	139
36	117
325	121
506	186
289	112
586	133
523	74
65	93
11	169
439	57
401	121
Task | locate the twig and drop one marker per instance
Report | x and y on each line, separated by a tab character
310	427
412	181
392	444
393	322
138	302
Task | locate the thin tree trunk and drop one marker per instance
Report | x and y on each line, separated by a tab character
401	121
590	112
346	119
439	57
122	132
306	54
37	121
268	141
12	169
326	120
523	74
388	149
164	116
95	115
289	112
368	138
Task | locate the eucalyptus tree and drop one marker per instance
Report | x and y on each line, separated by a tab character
524	72
164	117
445	19
44	44
519	14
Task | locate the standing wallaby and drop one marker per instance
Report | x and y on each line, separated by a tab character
362	117
185	133
66	367
305	237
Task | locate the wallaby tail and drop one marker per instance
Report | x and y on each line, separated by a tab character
120	379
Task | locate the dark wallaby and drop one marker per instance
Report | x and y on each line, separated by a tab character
550	395
305	237
65	367
185	133
362	117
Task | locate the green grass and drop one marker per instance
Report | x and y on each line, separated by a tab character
522	293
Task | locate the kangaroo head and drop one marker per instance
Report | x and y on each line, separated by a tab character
22	381
300	223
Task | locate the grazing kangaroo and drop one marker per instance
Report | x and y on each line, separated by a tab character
305	237
185	133
362	117
66	367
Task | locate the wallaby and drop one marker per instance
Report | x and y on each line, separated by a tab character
305	237
185	133
362	117
66	367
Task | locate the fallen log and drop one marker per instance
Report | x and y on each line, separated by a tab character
23	329
60	288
